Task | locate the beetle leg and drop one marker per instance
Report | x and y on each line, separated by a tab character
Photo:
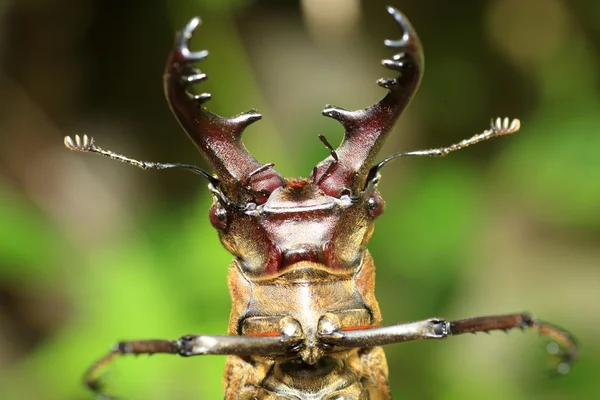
435	328
92	377
560	338
192	345
198	345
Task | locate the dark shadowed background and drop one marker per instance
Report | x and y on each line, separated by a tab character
93	251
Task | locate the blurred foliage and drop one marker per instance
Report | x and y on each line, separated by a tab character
93	251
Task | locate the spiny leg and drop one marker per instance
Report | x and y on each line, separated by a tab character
191	345
436	328
92	378
558	335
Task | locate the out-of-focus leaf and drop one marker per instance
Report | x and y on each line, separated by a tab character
555	165
433	223
28	243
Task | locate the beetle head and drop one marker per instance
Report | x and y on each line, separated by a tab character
267	222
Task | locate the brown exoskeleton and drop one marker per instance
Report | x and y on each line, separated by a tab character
304	322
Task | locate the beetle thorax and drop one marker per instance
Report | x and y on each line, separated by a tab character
301	266
305	300
298	222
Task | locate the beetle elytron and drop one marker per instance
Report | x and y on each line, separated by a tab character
304	322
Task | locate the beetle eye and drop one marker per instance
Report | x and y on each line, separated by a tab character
218	217
375	205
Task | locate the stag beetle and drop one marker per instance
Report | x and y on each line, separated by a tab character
304	323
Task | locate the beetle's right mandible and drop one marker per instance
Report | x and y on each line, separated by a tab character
218	139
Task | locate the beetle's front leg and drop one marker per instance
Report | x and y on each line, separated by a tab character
436	328
92	378
192	345
558	335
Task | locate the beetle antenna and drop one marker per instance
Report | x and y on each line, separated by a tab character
498	127
332	165
86	144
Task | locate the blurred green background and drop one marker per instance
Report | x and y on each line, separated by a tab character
93	251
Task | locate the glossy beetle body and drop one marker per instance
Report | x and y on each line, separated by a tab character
305	323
